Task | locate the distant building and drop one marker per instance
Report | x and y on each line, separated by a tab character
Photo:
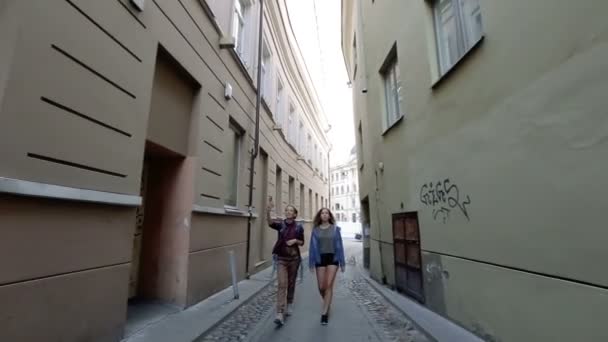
344	191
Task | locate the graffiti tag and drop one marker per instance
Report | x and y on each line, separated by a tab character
444	197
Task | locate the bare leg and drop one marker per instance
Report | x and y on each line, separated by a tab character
330	277
321	280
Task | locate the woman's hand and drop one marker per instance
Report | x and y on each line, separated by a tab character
291	242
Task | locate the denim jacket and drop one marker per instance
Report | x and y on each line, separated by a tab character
314	254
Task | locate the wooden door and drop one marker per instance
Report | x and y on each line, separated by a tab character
408	261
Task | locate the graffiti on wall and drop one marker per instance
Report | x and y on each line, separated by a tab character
444	197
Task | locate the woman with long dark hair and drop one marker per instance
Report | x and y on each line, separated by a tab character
286	252
325	256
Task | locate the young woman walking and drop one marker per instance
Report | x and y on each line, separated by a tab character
325	255
286	252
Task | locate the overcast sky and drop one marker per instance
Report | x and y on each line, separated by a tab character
317	26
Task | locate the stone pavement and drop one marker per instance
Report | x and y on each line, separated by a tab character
358	313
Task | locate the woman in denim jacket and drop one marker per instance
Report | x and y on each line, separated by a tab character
325	255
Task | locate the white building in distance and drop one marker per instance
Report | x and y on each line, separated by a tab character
344	190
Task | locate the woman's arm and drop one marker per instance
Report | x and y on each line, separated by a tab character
312	251
274	224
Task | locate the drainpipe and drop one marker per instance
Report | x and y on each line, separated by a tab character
256	144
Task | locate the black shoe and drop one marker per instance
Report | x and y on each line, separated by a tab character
324	319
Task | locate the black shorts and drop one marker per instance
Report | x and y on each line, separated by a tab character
326	260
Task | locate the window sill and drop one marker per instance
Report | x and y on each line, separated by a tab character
396	123
225	211
462	59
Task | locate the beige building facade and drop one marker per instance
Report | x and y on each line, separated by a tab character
125	150
481	139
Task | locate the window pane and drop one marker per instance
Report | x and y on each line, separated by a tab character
392	93
389	101
232	159
447	34
395	94
471	17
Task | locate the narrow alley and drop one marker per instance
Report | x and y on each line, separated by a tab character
358	313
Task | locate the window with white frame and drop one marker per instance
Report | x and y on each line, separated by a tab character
315	162
278	110
392	90
233	156
240	25
458	28
291	125
266	69
309	149
301	139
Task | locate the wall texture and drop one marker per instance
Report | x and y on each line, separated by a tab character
88	89
513	139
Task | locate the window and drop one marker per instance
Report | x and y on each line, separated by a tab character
310	203
278	201
348	189
315	161
292	190
233	156
292	127
301	140
290	121
266	70
342	190
302	209
337	206
458	28
354	217
309	150
239	26
278	111
392	90
354	188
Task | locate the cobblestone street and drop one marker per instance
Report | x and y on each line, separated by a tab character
358	313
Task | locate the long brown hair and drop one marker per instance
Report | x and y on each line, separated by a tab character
317	220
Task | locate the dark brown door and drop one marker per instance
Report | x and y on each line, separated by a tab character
408	263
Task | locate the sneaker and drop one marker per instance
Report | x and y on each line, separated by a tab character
279	320
289	310
324	319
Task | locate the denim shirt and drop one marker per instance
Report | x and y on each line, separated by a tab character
314	253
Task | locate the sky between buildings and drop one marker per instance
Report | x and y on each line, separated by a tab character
317	27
